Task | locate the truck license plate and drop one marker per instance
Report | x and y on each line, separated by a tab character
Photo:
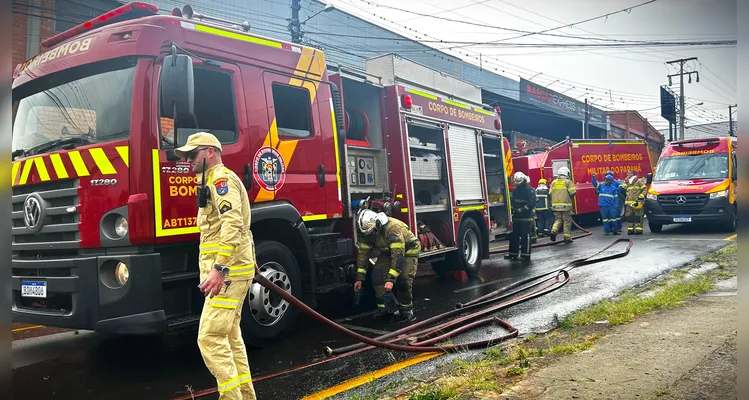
34	289
682	219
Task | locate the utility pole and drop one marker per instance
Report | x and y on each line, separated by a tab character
730	120
586	134
681	89
294	26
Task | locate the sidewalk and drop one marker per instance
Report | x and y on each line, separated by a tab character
685	353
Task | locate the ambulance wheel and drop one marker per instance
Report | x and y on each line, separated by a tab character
655	228
265	315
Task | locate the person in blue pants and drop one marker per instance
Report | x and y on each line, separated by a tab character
608	201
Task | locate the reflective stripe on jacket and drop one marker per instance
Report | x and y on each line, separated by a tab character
561	193
542	199
608	195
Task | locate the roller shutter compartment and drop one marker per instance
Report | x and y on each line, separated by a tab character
464	160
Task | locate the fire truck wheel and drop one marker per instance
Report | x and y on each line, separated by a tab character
733	223
266	316
655	228
468	256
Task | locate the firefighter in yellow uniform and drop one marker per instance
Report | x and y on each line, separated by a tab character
634	200
397	250
562	192
227	266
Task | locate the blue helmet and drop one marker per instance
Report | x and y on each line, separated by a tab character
610	173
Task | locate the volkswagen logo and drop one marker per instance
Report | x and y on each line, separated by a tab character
681	199
33	212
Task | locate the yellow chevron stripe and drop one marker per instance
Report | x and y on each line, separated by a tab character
25	172
41	169
102	161
16	165
60	170
124	152
78	164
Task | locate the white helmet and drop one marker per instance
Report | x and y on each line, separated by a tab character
369	220
564	171
519	178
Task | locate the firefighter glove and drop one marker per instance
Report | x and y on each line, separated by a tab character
390	302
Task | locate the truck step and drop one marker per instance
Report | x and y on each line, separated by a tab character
328	235
187	321
180	276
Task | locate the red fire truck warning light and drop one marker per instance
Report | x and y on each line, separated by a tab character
406	101
131	10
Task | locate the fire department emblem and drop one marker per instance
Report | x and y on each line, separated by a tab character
270	170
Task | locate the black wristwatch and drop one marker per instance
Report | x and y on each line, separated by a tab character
222	269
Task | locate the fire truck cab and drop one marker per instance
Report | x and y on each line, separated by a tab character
695	182
104	214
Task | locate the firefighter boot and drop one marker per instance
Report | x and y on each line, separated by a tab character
407	314
553	236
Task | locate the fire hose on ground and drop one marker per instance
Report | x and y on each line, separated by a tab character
421	337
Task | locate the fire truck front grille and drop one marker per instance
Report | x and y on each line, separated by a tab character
59	232
678	204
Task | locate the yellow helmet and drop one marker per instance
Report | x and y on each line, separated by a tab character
542	181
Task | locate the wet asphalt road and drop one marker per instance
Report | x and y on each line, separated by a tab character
88	366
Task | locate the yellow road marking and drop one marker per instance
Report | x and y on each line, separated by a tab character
27	328
366	378
732	237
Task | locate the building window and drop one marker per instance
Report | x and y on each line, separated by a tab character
70	14
293	111
616	132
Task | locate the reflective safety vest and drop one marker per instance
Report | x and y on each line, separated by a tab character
542	199
561	192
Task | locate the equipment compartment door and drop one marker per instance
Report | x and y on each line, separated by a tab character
289	164
465	164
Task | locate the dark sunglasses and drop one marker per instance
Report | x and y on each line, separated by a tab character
192	154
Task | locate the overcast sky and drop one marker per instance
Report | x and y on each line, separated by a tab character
615	78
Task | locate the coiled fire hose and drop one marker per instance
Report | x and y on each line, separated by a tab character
423	337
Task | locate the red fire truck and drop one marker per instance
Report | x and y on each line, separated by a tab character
104	232
583	157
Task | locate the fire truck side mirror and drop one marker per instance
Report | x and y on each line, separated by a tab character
649	178
177	88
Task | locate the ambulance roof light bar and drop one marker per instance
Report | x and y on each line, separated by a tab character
132	10
189	13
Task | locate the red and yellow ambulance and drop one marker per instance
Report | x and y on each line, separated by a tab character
695	183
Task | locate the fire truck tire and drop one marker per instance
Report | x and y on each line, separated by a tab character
655	228
468	257
266	316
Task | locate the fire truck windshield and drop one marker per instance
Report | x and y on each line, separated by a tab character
88	104
702	166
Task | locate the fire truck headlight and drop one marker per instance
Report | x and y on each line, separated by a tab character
651	196
121	274
717	195
120	226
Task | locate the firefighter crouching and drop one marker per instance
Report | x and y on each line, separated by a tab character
397	251
227	266
634	201
608	202
523	200
544	215
562	192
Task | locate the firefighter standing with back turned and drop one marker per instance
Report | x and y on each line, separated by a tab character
227	266
523	201
397	251
634	201
544	215
562	192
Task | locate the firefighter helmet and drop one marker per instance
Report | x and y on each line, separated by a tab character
564	171
368	221
542	181
519	178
